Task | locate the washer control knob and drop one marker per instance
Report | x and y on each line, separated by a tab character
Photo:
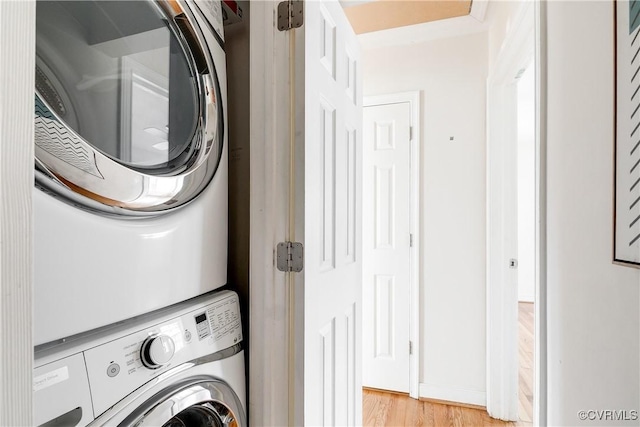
157	350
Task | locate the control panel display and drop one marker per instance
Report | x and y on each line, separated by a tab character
202	326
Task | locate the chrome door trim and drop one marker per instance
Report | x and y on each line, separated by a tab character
71	167
208	392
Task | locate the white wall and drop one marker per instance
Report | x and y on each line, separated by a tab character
593	305
526	185
451	75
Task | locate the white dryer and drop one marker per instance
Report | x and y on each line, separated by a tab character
182	366
131	160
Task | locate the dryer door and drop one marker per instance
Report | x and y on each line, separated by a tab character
195	403
128	116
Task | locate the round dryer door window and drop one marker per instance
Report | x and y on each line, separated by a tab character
128	117
208	414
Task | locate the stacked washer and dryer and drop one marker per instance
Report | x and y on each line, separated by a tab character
131	327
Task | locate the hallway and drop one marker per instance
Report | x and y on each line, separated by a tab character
386	409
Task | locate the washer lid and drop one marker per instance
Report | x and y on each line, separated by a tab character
128	117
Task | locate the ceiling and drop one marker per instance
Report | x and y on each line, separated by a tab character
367	16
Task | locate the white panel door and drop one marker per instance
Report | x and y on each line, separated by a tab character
387	247
332	218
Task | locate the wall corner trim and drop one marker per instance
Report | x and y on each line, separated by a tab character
479	9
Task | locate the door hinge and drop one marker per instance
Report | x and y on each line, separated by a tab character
411	133
290	256
290	15
411	240
410	347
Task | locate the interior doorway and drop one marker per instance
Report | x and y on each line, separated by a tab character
506	258
460	165
526	200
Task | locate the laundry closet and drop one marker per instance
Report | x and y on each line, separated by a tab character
287	200
136	319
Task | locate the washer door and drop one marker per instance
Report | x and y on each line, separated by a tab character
128	115
197	402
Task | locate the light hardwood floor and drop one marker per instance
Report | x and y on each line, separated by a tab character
381	408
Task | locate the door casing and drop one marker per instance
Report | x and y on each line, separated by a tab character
524	41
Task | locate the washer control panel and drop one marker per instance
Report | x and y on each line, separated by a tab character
134	357
212	10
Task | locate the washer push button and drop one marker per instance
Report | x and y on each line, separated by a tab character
113	370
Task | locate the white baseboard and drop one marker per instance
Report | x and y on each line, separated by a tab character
452	394
525	298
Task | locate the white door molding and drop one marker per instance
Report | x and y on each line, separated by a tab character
502	316
540	332
269	219
17	49
413	98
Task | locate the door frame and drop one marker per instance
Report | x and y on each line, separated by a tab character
540	329
413	98
17	46
523	42
270	391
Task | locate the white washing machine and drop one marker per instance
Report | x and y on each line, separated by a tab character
131	160
182	366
